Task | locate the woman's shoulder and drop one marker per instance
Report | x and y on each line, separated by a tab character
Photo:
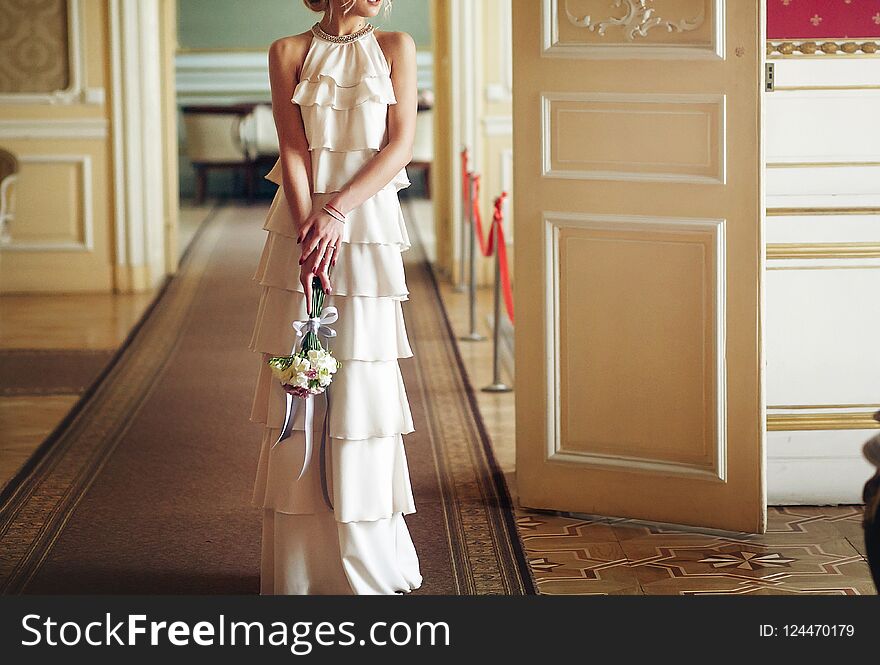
285	48
395	39
395	43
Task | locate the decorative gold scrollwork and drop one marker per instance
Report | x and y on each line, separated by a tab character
638	19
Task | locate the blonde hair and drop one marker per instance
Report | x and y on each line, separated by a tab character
327	5
317	5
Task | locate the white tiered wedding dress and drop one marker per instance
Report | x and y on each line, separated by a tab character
362	546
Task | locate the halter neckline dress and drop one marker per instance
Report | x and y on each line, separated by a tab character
362	545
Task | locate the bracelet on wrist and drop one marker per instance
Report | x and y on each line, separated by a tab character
334	213
335	209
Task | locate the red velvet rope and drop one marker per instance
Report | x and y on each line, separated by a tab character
496	235
498	225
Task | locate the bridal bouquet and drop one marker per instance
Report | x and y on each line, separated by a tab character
309	370
306	373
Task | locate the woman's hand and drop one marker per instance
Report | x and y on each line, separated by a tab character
320	237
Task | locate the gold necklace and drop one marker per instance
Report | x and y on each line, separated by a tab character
341	39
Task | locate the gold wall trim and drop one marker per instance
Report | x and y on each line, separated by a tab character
821	48
792	212
812	165
820	267
821	421
788	88
817	407
843	250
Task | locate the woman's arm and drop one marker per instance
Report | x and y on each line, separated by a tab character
286	56
378	172
400	50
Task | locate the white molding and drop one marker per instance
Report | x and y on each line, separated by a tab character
506	166
547	171
82	128
74	92
88	208
497	125
816	467
471	63
794	114
242	76
845	73
226	77
465	68
553	49
506	170
555	220
117	111
425	69
502	91
138	136
820	334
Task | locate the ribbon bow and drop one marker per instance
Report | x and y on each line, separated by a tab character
319	325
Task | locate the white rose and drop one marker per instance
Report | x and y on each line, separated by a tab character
328	363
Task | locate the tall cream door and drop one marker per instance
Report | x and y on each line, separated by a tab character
638	197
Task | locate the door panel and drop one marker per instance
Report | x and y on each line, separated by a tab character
639	259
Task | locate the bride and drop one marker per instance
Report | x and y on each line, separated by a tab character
344	103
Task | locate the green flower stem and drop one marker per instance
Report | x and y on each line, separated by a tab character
311	341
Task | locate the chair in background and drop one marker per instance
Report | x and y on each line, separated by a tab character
8	177
423	143
213	141
259	139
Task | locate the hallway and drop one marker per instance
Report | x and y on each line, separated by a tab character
157	465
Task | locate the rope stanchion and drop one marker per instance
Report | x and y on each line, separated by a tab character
501	253
460	286
495	244
496	235
472	210
502	282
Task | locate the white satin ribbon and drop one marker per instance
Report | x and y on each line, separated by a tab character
319	326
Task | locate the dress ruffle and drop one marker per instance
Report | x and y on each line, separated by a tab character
362	269
372	472
348	64
332	169
325	91
359	128
379	219
368	400
367	329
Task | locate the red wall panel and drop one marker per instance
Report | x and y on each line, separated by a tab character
823	19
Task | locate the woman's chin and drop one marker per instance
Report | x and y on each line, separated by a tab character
370	9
